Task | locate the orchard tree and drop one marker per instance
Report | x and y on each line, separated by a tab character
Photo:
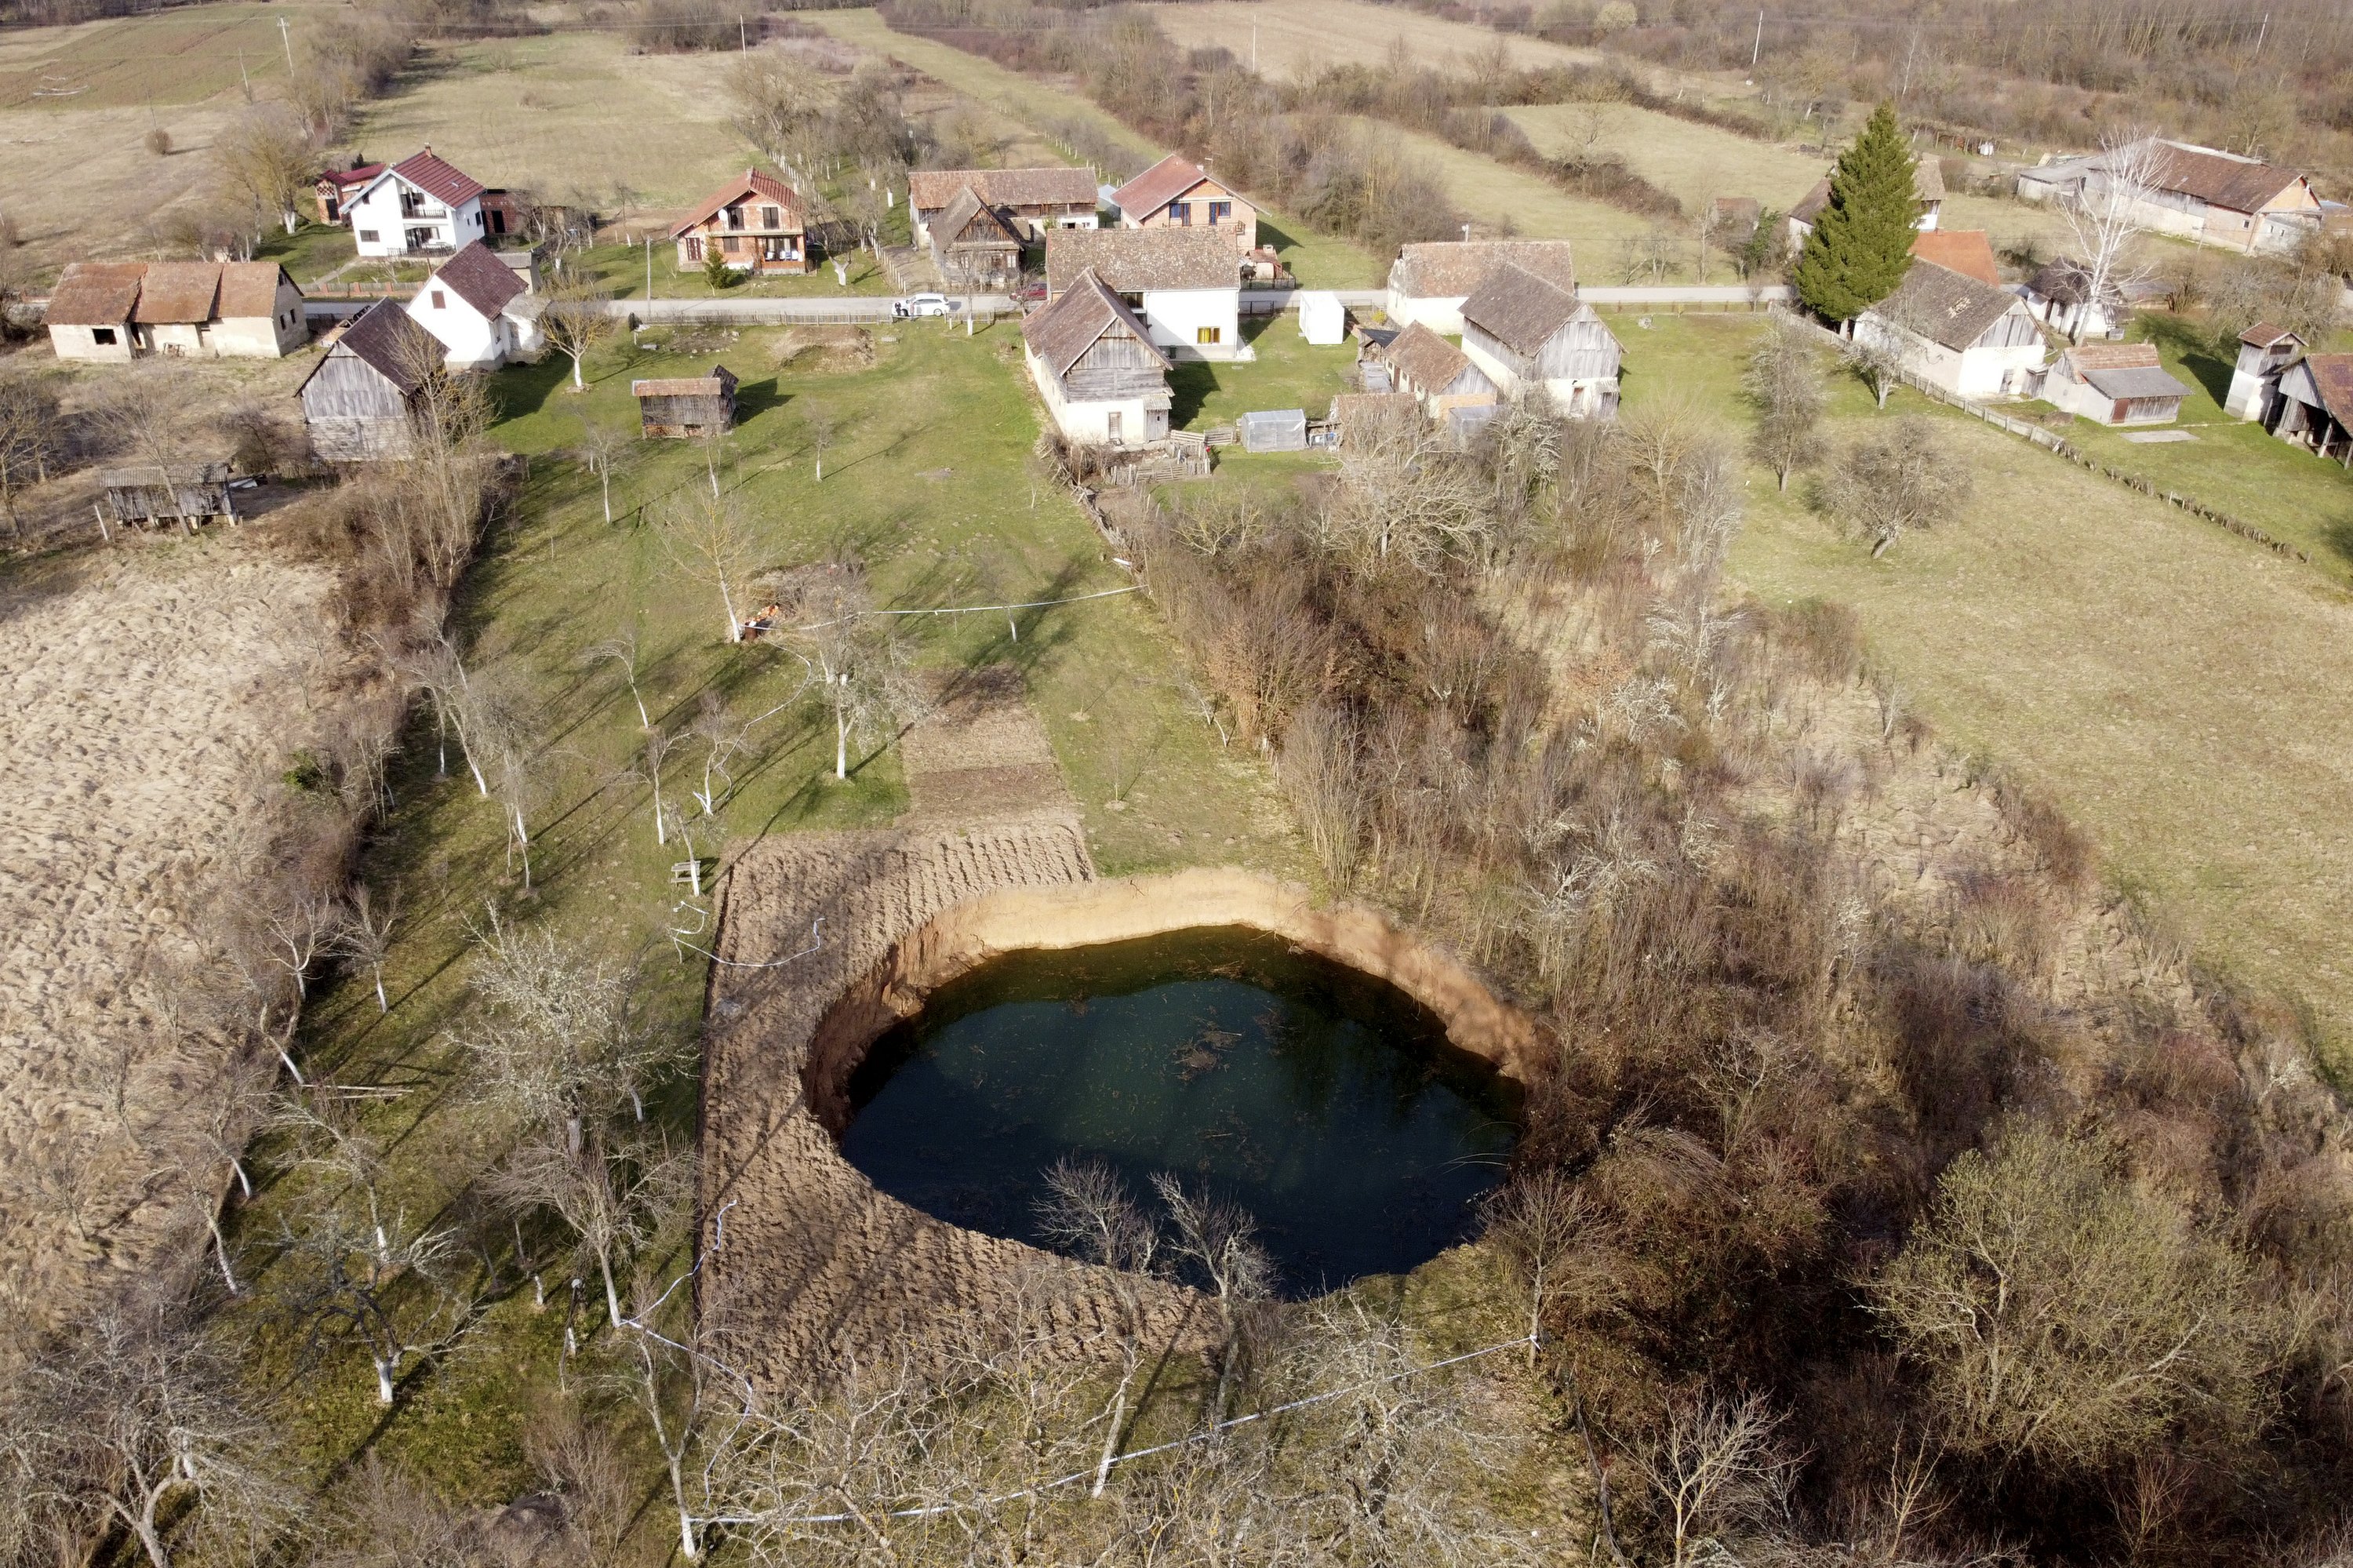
1860	244
1890	484
1786	390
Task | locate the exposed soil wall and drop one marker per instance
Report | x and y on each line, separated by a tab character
1084	915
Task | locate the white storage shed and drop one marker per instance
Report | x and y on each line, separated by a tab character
1323	318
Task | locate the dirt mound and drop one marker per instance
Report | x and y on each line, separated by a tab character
837	346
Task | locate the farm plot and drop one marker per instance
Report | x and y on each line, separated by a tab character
1297	38
148	690
1691	162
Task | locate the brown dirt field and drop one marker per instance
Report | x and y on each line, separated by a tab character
144	687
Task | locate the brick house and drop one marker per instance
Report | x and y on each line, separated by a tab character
1175	192
754	223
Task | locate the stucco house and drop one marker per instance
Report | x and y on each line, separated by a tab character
1428	282
357	400
2264	351
755	223
1033	201
2115	384
117	311
1524	333
419	207
2197	193
1437	375
1104	381
1184	283
480	309
1928	186
1176	193
1970	338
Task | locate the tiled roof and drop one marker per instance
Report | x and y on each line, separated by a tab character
1945	306
346	178
753	184
1965	250
1425	361
2242	184
949	227
2113	356
2262	335
1159	186
721	382
389	341
929	189
1518	309
177	292
1065	329
2333	375
1927	183
250	289
1450	269
437	178
96	293
1130	260
477	276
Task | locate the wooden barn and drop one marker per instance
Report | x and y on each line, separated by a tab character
685	406
1436	374
357	398
974	245
149	496
1526	333
1093	359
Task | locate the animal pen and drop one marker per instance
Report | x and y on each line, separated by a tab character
686	404
150	495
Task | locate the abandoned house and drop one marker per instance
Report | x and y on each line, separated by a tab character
357	400
1428	282
1104	381
2059	297
1970	338
2264	351
146	495
682	406
117	311
1526	334
2115	384
2195	192
1032	200
972	244
1436	375
754	224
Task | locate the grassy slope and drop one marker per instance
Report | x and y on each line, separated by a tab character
1691	162
1295	37
2186	696
928	480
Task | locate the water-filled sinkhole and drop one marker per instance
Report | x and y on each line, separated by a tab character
1324	1101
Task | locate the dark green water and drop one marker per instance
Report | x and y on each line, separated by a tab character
1323	1101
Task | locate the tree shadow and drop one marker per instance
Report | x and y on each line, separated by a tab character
2196	352
1190	382
2338	535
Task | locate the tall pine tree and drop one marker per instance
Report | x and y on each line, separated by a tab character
1861	246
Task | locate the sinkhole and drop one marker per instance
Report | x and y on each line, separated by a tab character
1324	1101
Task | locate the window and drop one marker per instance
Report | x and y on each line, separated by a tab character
730	245
1115	427
104	337
1220	212
772	218
367	236
1181	214
440	301
693	248
1209	334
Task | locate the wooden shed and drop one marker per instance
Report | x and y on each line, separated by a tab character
357	398
686	404
1526	332
148	495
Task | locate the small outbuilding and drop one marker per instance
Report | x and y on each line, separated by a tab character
2061	297
1275	430
357	400
686	406
1323	318
2315	406
2264	351
2115	384
147	495
1436	374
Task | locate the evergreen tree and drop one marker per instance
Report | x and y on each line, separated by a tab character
1861	246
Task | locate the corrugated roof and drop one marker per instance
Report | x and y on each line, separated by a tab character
477	276
931	189
1159	186
2240	185
96	293
1518	309
1450	269
1945	306
438	178
1927	183
250	289
1965	250
2134	381
720	382
1130	260
178	293
1067	327
765	187
389	341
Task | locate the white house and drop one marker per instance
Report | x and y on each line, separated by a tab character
1323	318
1103	379
1524	333
2115	384
2195	192
1970	338
2059	296
1428	282
420	206
182	310
2264	351
480	310
1185	283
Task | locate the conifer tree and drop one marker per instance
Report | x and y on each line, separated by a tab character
1861	246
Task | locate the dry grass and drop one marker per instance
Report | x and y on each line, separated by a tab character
1691	162
165	59
1295	37
1502	198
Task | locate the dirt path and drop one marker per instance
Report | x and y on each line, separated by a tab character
141	691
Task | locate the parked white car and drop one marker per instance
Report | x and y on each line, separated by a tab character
925	305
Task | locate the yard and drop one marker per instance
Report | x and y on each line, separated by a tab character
621	271
2186	696
1289	373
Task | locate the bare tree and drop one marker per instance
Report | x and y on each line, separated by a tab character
1877	364
710	540
1887	486
1318	769
1404	495
387	1287
612	1194
858	661
778	106
1715	1470
577	321
818	422
2108	211
601	449
677	1382
626	648
268	157
1220	1238
365	935
1087	1210
1786	390
29	430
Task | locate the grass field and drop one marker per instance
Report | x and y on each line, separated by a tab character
1297	38
1289	373
1502	199
2186	696
621	269
1693	163
163	60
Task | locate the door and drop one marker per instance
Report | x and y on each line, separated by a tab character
1115	425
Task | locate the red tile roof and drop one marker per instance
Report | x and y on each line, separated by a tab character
477	276
931	189
438	178
1965	250
175	293
250	289
95	293
767	187
346	178
1159	186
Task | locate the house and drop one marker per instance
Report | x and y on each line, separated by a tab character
2315	406
974	245
1323	318
421	206
335	187
1435	373
2059	296
1428	282
481	308
357	399
1949	329
148	495
1032	200
1927	187
2264	351
2115	384
1183	283
1178	194
755	223
1963	250
686	406
115	310
2195	192
1104	381
1525	334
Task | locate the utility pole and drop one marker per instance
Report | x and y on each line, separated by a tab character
743	37
1757	50
244	80
2262	30
649	266
286	36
